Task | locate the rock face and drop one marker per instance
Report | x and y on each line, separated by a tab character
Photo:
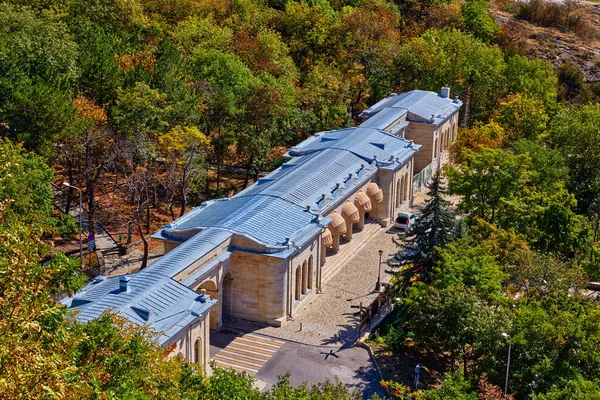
558	46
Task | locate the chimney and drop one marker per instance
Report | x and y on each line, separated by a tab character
124	284
203	295
445	92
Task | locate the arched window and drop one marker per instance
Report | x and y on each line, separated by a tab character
304	277
298	283
310	272
198	351
398	193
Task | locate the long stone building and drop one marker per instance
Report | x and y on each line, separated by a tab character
262	253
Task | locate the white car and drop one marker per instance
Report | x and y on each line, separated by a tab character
405	220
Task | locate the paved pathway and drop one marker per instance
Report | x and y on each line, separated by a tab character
114	263
247	353
332	317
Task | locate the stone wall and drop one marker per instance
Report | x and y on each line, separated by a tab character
423	134
183	344
258	287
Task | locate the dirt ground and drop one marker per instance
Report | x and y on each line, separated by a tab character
580	46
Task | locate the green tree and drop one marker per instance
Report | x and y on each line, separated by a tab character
453	320
431	231
463	264
554	340
575	389
24	187
523	118
488	180
478	21
574	132
532	78
444	57
227	84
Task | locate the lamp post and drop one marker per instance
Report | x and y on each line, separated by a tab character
67	184
507	337
378	284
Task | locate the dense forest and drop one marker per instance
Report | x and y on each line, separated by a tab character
147	104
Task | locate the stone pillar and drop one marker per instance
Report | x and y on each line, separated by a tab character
336	243
348	235
361	222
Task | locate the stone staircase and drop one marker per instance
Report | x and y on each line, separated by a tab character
247	353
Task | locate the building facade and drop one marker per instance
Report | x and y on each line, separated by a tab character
262	253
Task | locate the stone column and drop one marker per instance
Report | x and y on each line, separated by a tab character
336	243
361	222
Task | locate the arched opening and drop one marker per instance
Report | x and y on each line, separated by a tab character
213	292
407	187
398	192
304	277
310	272
435	148
228	295
298	293
198	354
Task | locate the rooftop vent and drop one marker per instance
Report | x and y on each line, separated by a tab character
99	278
124	284
308	207
445	92
144	313
78	301
203	296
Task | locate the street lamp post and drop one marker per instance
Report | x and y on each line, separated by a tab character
67	184
507	337
378	284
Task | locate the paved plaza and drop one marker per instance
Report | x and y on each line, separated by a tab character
332	317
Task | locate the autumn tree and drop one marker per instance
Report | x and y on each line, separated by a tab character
522	118
91	149
184	150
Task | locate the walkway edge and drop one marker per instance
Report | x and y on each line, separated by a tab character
365	346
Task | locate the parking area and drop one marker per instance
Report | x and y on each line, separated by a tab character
311	364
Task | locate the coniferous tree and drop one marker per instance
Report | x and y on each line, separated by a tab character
433	228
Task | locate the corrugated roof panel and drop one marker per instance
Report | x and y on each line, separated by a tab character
421	103
188	252
167	299
384	118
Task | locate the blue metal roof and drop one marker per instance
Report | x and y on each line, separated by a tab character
422	104
287	202
384	118
298	182
366	143
267	219
189	251
151	299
